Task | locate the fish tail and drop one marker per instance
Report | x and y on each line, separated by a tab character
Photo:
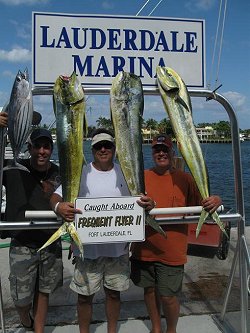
60	232
216	218
74	235
15	165
203	217
153	224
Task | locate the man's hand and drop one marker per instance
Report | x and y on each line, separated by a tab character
211	203
3	119
146	202
67	211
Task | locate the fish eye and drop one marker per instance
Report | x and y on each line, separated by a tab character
19	78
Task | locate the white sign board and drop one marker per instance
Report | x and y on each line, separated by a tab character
97	47
112	220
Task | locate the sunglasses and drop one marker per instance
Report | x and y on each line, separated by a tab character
41	145
159	148
103	144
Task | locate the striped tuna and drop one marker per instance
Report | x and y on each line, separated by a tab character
20	113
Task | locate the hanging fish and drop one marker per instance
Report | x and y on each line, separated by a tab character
177	103
71	127
20	114
126	102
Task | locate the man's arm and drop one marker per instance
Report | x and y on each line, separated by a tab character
3	119
65	209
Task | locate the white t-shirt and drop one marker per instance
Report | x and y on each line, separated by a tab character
95	183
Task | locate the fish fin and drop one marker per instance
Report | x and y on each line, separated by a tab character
153	224
15	165
183	103
216	218
73	233
54	104
203	216
60	232
85	125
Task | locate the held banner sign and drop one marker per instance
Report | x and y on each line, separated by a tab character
110	220
97	47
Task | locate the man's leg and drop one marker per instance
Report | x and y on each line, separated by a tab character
84	311
171	309
113	305
154	308
24	314
41	304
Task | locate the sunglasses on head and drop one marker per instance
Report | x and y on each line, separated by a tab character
103	144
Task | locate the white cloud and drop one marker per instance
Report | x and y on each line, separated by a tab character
196	5
15	55
8	74
238	100
107	5
23	29
23	2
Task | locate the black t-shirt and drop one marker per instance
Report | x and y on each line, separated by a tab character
29	191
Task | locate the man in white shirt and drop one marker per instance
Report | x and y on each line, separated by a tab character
106	263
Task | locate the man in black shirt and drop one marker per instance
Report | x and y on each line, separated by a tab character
33	275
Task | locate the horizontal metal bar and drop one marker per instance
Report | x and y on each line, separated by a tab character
195	219
181	210
4	225
40	214
23	225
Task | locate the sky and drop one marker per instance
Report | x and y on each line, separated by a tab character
227	61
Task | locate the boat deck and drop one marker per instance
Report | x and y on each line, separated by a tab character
204	286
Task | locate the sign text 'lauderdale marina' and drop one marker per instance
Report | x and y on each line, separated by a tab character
97	47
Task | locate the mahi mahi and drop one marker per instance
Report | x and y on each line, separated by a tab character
71	127
177	103
126	103
20	113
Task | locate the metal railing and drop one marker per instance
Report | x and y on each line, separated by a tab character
241	254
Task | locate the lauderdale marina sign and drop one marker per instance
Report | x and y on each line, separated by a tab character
97	47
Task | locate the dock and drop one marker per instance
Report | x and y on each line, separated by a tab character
205	283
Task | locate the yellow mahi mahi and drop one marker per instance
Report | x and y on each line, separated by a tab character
177	103
71	127
126	105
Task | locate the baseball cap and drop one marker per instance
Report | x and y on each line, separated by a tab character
39	133
102	137
162	139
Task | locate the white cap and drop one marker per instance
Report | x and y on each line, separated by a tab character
102	137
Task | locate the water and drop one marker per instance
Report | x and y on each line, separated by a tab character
219	161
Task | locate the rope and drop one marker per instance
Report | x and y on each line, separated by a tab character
215	43
220	45
221	40
142	7
155	7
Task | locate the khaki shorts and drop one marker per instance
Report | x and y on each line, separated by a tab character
89	274
167	279
27	266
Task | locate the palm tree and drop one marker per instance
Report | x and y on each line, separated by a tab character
105	123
